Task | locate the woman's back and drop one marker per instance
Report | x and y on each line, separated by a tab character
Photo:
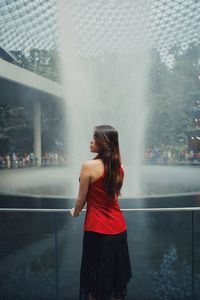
103	211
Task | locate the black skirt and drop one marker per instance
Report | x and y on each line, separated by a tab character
105	266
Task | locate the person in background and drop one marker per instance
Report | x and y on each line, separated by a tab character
105	267
8	162
1	162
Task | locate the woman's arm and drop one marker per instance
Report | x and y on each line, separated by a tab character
83	190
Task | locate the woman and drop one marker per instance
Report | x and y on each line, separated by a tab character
105	266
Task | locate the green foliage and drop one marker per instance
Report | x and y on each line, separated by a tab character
15	129
42	62
171	98
4	115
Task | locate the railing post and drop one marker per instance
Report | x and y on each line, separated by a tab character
192	250
56	255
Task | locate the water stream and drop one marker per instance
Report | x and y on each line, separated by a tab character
104	85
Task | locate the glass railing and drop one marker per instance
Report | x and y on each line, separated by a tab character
41	248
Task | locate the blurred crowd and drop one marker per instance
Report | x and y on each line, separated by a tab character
158	155
19	160
169	155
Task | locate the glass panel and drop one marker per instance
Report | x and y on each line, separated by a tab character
69	253
27	256
160	247
196	252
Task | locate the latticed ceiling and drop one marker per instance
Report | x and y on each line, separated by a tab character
100	26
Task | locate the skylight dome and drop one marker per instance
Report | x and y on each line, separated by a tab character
101	26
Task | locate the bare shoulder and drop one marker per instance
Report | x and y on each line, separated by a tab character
86	170
92	163
94	168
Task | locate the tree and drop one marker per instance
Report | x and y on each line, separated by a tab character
15	128
4	115
172	94
40	61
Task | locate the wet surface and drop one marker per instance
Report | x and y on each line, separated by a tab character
60	181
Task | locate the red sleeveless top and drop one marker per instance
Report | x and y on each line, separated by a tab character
103	213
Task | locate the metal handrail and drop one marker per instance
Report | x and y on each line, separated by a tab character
59	210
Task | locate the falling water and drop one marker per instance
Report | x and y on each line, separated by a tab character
105	80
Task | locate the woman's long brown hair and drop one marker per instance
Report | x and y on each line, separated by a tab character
106	138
